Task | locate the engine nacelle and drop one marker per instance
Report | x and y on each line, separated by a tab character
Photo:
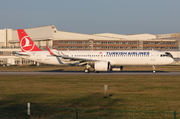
102	66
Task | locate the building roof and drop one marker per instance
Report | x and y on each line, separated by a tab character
129	37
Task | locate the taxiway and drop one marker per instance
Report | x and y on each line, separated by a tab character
91	73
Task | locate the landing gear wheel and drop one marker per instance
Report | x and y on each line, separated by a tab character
121	68
86	70
96	71
154	69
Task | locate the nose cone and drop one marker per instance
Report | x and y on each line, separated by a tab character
171	60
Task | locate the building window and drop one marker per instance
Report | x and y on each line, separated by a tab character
151	48
122	43
122	47
86	47
1	52
163	48
98	47
73	47
104	42
110	47
168	43
86	42
128	43
145	47
173	43
110	42
145	43
79	47
174	48
116	42
79	42
60	42
116	47
60	47
157	47
134	47
157	43
104	47
168	47
66	47
134	43
73	42
163	43
151	43
128	47
66	42
98	42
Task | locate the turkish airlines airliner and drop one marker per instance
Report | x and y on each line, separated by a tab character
101	60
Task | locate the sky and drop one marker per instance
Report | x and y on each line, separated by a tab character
93	16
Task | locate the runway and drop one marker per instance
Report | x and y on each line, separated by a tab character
91	73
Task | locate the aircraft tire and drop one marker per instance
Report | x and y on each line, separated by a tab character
96	71
86	70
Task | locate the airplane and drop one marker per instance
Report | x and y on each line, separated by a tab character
101	60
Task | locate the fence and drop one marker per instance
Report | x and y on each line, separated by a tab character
61	113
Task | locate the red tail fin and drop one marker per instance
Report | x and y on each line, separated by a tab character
26	43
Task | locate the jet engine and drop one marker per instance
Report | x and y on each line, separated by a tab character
102	66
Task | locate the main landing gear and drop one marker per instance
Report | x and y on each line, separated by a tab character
87	70
154	69
121	68
96	71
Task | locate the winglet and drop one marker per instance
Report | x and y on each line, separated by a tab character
50	52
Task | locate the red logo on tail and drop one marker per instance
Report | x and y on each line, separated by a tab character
26	42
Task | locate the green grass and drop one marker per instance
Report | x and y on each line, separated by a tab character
132	93
129	93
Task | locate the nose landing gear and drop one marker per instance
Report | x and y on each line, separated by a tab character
154	69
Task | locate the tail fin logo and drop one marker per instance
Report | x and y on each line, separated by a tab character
26	44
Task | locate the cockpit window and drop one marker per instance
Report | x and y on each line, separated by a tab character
169	54
163	55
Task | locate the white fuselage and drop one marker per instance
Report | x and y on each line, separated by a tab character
115	57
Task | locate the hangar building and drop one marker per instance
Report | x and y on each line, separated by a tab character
61	40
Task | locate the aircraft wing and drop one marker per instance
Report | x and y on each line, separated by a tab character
71	58
21	54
